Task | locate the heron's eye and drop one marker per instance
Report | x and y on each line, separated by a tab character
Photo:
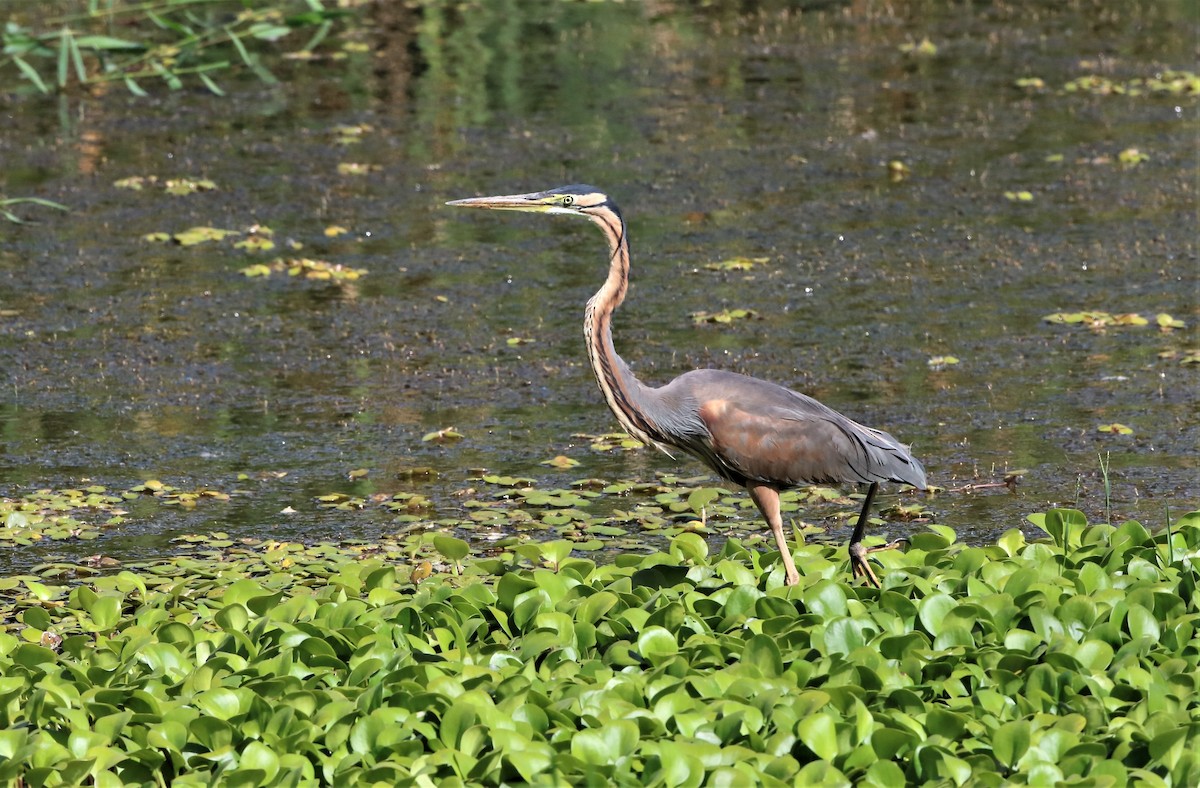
568	200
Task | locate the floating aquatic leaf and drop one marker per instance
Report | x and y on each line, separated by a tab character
514	341
255	243
417	472
258	269
308	269
924	48
1101	320
354	168
1031	83
1131	157
443	435
334	230
1116	429
1169	82
610	441
184	186
199	235
508	481
135	182
175	186
737	264
940	362
1019	196
561	461
157	237
1168	323
347	134
724	316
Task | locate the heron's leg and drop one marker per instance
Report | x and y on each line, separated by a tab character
858	553
767	500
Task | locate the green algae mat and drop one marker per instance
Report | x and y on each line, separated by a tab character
1070	660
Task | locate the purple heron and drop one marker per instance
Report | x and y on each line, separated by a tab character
756	434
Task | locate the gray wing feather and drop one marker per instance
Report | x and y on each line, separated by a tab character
752	430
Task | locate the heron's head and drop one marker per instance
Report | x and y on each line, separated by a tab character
578	199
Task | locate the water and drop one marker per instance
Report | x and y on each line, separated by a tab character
763	133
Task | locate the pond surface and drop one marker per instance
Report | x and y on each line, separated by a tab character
904	206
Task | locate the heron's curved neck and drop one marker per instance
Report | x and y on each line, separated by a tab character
623	392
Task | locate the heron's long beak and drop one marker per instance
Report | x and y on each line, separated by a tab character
536	201
504	203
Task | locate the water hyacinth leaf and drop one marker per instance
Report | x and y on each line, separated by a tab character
690	547
1012	542
105	611
232	618
607	745
262	758
933	610
819	734
1011	741
242	591
656	644
36	618
593	674
595	607
762	652
1142	624
698	499
843	635
884	774
451	547
218	702
555	552
1065	526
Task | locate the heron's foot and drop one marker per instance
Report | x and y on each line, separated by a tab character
858	559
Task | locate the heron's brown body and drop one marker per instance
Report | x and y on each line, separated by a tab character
754	433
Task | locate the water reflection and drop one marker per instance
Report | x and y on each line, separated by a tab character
725	130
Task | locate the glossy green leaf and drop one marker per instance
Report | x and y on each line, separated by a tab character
607	745
819	734
656	644
1011	741
451	547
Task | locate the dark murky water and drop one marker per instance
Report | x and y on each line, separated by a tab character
759	133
